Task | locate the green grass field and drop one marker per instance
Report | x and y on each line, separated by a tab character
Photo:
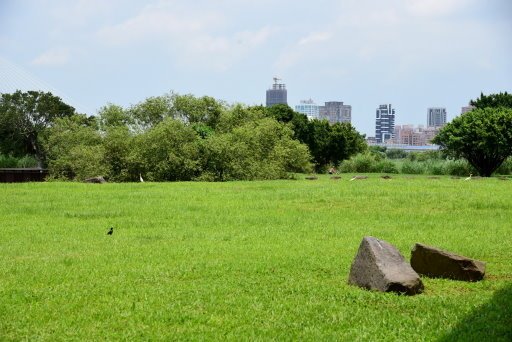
247	260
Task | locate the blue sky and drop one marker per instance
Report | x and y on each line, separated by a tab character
413	54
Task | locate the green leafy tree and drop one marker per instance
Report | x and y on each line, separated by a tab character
260	149
344	142
191	109
74	149
238	115
328	144
118	142
113	115
167	152
151	111
482	136
318	142
24	116
493	101
298	121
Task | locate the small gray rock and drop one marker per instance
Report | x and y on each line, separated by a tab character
436	263
99	180
379	266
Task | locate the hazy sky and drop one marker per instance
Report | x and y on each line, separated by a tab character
410	53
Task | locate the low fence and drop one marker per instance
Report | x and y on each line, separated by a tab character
22	175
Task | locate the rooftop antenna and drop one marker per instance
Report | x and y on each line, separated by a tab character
276	79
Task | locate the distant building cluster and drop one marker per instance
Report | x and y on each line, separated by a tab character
385	130
414	136
332	111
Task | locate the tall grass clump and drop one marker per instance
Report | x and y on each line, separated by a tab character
415	163
505	168
459	167
7	161
362	162
413	167
27	161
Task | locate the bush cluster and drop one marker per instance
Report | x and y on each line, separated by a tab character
430	162
17	162
184	138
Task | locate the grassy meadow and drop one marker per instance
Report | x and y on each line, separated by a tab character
266	260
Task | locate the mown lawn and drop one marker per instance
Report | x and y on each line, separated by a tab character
247	260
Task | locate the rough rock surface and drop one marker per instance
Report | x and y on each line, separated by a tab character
378	265
99	180
436	263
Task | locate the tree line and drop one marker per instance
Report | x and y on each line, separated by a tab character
171	138
177	137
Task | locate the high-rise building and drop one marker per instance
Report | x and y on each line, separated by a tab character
384	123
309	108
335	111
277	94
467	108
436	117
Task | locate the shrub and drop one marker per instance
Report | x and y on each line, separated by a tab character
435	167
458	167
387	166
413	167
8	161
505	168
13	162
396	153
363	163
27	161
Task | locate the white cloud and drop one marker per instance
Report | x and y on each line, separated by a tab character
315	37
221	52
52	57
79	13
192	37
153	25
435	7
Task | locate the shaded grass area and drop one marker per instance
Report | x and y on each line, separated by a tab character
491	321
250	260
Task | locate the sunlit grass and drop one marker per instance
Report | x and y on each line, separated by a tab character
240	260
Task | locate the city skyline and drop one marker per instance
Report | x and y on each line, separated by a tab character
414	54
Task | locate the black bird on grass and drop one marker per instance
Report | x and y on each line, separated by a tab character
111	231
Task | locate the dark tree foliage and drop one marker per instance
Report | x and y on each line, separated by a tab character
299	122
482	136
24	116
493	101
328	144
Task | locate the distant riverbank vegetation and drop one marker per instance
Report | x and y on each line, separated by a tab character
394	161
177	137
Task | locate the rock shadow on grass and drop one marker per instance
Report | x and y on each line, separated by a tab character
490	322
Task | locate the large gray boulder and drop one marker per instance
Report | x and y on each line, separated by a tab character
436	263
379	266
